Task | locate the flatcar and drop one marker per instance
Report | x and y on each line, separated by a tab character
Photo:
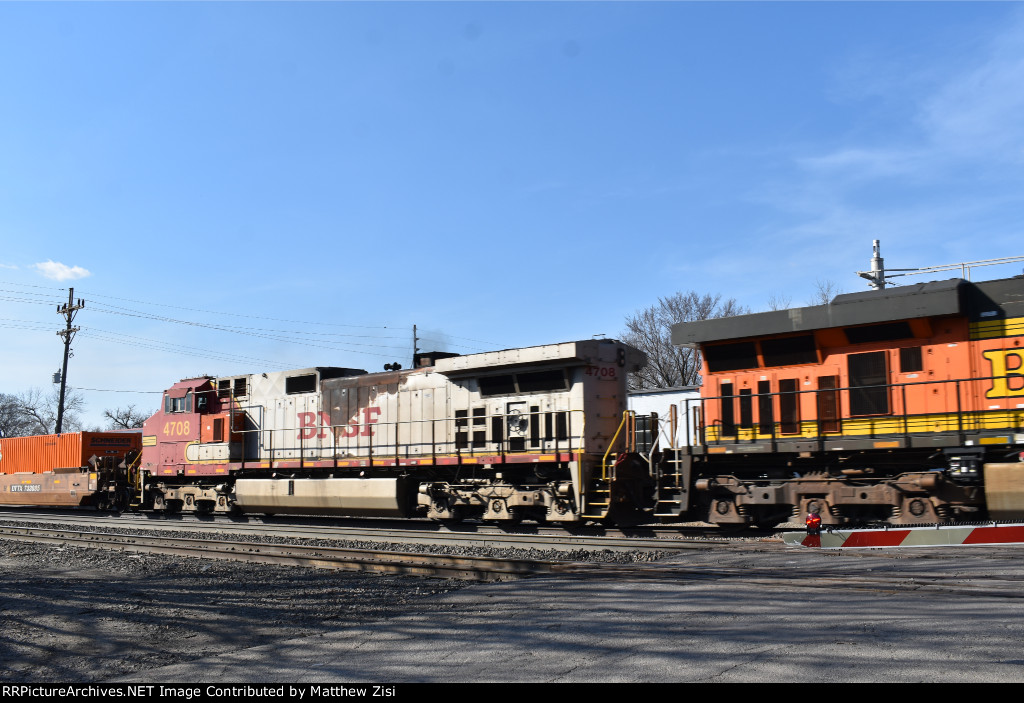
74	469
901	405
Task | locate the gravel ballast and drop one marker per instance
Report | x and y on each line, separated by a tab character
72	614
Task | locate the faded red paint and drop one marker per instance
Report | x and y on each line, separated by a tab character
309	427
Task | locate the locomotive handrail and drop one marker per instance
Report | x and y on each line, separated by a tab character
902	416
301	446
626	414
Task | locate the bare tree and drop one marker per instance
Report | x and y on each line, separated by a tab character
824	291
125	418
650	330
40	410
779	301
13	422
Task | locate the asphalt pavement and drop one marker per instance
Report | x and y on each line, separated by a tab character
951	614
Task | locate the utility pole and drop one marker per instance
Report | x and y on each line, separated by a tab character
68	333
415	346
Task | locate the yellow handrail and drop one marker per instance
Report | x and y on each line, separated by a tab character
626	415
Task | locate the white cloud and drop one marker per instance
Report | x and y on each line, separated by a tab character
9	266
57	271
866	163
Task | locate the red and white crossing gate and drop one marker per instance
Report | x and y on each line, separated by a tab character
938	536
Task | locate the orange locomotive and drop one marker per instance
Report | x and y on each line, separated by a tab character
903	405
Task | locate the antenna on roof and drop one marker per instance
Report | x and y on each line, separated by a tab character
877	275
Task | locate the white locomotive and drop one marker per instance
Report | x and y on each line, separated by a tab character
540	432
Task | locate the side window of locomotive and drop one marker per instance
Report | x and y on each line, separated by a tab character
178	405
239	387
224	389
869	394
910	360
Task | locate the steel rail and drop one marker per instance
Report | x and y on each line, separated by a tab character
444	566
471	536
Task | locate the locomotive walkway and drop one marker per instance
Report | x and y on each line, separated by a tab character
771	614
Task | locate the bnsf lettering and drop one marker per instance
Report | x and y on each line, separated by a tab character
310	428
1009	374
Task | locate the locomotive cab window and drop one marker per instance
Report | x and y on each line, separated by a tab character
178	405
910	360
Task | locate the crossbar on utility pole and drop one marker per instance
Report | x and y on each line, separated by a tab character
68	311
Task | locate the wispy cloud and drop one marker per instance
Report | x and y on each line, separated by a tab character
864	163
56	271
977	114
9	266
946	167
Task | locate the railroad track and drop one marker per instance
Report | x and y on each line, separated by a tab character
379	561
471	535
475	568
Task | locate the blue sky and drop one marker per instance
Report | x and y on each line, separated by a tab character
303	182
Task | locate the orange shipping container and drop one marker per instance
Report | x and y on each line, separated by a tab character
70	450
